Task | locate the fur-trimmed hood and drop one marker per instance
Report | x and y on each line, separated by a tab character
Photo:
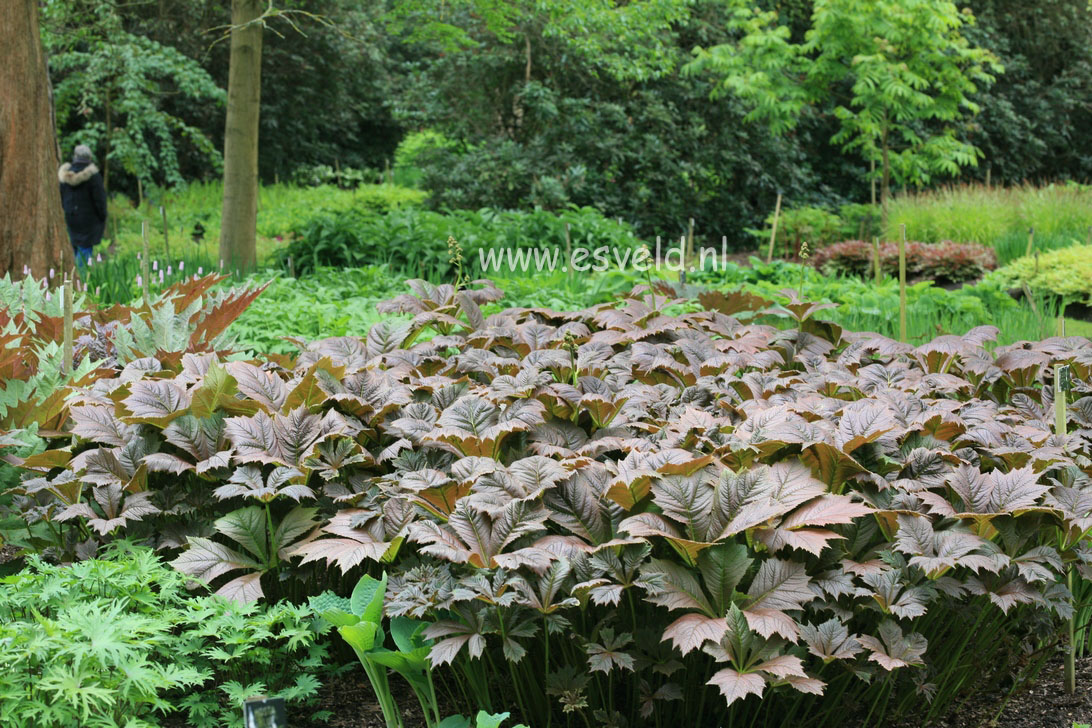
74	179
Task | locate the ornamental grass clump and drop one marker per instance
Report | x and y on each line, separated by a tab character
613	515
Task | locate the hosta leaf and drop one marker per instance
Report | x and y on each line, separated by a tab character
367	598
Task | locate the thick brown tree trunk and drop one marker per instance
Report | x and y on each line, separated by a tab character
32	231
238	226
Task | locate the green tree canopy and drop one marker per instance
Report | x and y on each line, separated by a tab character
897	74
112	87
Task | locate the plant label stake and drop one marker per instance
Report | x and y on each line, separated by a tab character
145	273
876	259
773	231
568	250
265	713
902	286
690	242
166	236
66	364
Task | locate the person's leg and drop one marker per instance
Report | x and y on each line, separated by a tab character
82	255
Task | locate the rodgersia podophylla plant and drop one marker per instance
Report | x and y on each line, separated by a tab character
629	509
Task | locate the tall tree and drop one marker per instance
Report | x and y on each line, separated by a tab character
238	227
32	231
899	75
111	87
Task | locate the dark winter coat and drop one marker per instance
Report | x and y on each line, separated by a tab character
83	197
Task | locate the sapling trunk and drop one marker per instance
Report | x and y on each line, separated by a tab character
773	231
1031	240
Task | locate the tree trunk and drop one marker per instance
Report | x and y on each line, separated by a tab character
32	231
885	188
106	153
238	226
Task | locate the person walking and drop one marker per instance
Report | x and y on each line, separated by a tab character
83	198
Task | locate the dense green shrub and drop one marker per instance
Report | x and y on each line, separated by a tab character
943	261
119	641
414	242
604	501
1065	273
814	225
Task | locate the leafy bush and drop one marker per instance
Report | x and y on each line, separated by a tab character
1066	273
414	242
943	261
346	178
194	218
795	226
119	642
601	502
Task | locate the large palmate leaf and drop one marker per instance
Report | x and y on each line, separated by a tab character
113	508
474	426
477	536
354	535
894	649
248	527
156	402
830	641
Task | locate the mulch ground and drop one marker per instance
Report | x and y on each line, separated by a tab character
351	700
1042	703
